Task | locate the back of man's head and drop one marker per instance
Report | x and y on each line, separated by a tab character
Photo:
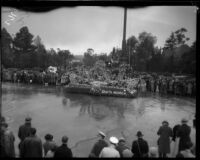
33	131
64	139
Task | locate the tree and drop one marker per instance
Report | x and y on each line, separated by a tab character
64	57
188	60
103	57
145	50
40	54
155	64
132	43
7	51
23	40
23	48
89	58
176	39
171	42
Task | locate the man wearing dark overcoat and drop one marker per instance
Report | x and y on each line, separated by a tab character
165	132
99	145
63	151
184	134
31	147
140	147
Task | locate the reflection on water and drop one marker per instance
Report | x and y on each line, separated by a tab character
80	116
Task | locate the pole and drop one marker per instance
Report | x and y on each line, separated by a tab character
124	33
129	55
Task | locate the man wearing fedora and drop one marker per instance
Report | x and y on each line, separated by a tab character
140	147
165	132
24	130
184	134
99	145
110	152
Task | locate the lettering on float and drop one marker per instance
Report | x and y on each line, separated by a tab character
112	92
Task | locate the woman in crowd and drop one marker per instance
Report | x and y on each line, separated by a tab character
165	133
49	143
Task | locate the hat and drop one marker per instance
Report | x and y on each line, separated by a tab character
28	119
64	139
48	137
122	139
113	140
153	151
102	134
165	122
184	120
139	134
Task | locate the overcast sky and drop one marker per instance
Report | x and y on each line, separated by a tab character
100	28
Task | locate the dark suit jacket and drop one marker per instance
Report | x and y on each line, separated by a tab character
143	147
98	146
24	131
63	151
31	147
184	134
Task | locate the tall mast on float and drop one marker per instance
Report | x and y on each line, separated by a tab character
124	35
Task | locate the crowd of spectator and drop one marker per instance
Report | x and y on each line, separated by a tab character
31	145
116	77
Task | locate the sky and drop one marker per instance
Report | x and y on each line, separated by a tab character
101	28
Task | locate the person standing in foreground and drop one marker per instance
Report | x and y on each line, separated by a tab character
99	145
24	131
184	134
140	147
63	151
9	140
32	146
121	146
153	152
110	152
164	140
186	153
49	143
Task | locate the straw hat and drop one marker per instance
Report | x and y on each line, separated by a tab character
102	134
113	140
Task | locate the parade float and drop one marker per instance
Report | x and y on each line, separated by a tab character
100	90
97	82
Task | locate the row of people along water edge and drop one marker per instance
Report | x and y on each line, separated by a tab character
147	82
32	146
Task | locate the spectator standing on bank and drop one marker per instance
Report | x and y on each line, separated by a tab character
165	133
31	146
99	145
8	140
121	146
184	134
24	131
189	89
2	147
153	152
186	153
140	147
63	151
110	151
175	130
194	146
49	143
